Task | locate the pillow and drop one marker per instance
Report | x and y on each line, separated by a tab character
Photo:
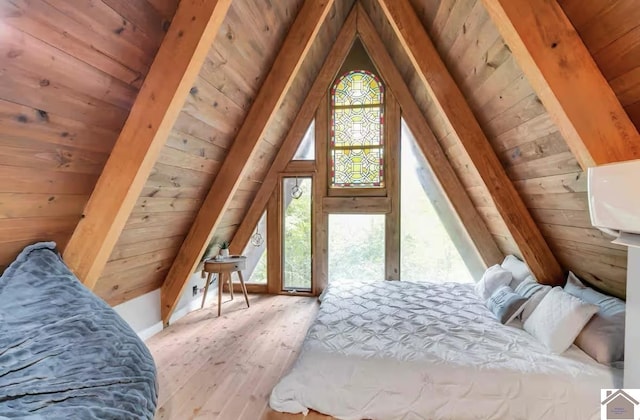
534	292
558	319
603	336
505	304
517	268
608	304
491	280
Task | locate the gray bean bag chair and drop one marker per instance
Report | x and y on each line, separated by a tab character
64	353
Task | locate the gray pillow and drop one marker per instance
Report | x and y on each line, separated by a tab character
505	304
534	292
609	305
603	336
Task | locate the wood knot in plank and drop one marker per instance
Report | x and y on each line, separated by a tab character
14	53
42	115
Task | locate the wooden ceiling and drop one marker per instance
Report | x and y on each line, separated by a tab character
70	75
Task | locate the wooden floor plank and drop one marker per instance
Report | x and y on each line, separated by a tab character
225	368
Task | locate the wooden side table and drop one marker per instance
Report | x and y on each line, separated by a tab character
225	266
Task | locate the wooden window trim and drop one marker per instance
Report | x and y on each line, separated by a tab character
372	191
281	233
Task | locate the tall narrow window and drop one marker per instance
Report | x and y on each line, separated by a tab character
296	233
357	143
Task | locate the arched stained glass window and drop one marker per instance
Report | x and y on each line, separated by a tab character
357	120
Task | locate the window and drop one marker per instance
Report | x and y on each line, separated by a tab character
356	247
357	119
296	233
428	252
256	253
307	148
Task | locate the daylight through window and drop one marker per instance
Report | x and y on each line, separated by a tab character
357	119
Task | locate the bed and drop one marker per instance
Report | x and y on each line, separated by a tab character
64	353
402	350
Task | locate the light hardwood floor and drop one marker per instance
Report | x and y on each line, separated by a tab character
225	368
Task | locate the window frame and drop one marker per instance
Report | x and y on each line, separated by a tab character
370	191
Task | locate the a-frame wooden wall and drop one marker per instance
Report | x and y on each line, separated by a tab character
288	62
526	126
455	111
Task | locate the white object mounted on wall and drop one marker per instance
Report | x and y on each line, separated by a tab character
614	200
614	205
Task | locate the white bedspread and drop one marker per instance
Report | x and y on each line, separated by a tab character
401	350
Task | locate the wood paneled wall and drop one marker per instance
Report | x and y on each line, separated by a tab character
528	143
234	70
283	120
69	73
611	32
464	50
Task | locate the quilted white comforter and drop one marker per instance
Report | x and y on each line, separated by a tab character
401	350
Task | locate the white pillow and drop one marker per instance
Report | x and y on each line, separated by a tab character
491	280
518	269
558	319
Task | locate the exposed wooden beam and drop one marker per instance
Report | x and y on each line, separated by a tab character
453	106
392	235
174	69
320	86
357	205
320	261
567	80
288	61
431	149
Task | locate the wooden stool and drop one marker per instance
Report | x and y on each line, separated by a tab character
226	266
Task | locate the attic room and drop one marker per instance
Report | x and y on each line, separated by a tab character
369	209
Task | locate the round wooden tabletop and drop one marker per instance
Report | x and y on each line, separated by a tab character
228	264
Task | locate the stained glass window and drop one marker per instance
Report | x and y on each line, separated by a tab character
357	120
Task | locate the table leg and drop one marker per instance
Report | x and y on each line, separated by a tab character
220	283
230	285
206	288
244	288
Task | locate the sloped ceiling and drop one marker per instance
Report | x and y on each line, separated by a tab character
521	132
69	75
611	32
235	68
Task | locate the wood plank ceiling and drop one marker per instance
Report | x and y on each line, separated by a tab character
236	66
528	143
70	73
